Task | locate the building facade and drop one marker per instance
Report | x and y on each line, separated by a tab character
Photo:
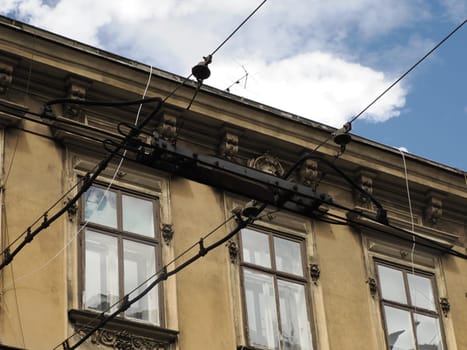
170	213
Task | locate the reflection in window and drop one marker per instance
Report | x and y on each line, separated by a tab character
101	207
138	215
120	252
410	314
275	289
101	275
261	309
138	266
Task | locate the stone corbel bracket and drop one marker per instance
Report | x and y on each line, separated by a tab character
309	174
167	128
365	180
433	208
7	67
228	147
76	90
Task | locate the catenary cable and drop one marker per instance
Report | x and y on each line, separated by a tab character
407	72
164	268
106	190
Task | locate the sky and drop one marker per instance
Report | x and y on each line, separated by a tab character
322	60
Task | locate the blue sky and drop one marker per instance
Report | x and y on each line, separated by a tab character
322	60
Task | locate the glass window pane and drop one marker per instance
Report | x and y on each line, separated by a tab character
256	248
101	207
138	215
421	292
139	265
392	284
399	328
288	256
261	310
296	334
428	332
101	275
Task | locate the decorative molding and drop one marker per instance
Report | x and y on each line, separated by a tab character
267	163
308	174
72	210
365	181
433	208
233	251
372	285
315	273
11	113
6	76
167	233
122	334
76	90
167	128
122	340
445	306
228	147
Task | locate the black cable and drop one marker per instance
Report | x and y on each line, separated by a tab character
326	140
164	268
238	27
163	276
409	70
30	234
87	182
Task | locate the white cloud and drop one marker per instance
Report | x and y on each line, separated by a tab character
456	9
300	54
315	85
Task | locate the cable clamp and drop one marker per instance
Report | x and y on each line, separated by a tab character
29	235
7	258
125	303
164	275
202	250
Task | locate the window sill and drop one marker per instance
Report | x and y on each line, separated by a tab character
121	331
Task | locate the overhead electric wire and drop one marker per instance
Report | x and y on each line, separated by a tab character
408	71
142	284
87	182
238	27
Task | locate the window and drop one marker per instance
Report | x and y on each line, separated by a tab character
275	291
120	251
409	309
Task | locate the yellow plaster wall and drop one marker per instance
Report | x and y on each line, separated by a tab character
35	309
456	284
204	301
346	295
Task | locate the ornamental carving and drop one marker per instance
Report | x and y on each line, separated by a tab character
167	233
228	148
315	273
76	90
365	182
433	208
267	163
372	285
233	251
123	340
167	128
308	174
6	76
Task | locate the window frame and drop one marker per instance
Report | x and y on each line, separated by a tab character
276	276
120	234
409	306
